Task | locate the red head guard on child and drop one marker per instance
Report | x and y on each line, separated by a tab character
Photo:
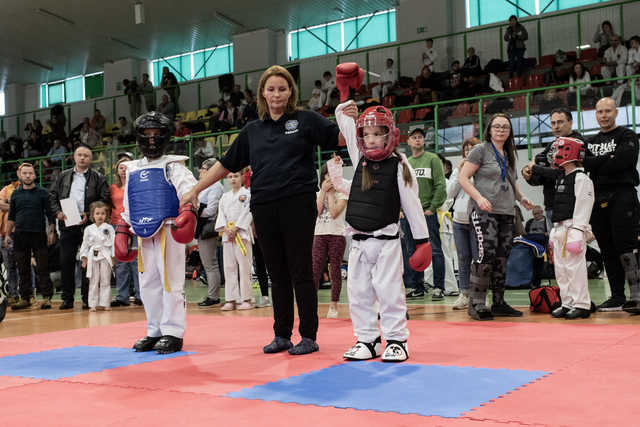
567	150
348	75
377	116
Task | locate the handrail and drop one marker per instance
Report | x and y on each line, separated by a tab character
538	18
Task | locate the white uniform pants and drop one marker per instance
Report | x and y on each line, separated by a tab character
100	284
450	282
607	71
571	271
237	272
163	299
375	276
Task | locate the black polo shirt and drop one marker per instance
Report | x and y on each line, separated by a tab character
29	208
281	154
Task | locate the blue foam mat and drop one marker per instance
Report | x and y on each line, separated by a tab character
71	361
445	391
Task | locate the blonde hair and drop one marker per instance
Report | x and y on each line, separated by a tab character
367	179
278	71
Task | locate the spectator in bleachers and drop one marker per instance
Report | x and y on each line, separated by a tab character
170	84
455	83
236	97
58	121
388	79
430	56
633	60
37	127
89	136
98	122
125	133
180	129
132	92
515	35
471	64
427	86
317	99
148	93
55	154
250	111
603	36
578	75
167	107
328	84
226	118
615	59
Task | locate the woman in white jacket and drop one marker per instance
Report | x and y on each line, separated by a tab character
462	233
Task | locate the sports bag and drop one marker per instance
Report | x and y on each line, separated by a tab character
544	299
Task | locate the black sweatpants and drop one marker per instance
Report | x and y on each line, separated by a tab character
285	229
615	226
70	241
261	269
25	244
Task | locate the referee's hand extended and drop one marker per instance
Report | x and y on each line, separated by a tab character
189	197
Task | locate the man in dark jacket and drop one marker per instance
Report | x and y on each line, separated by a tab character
84	186
515	35
538	171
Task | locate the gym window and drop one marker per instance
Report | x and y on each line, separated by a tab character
73	89
189	66
338	36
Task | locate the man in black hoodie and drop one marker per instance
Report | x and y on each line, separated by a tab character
615	213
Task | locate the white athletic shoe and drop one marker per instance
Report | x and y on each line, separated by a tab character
364	350
396	351
461	303
263	302
332	313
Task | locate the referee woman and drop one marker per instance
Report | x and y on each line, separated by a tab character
279	147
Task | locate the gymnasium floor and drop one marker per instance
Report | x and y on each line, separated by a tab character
76	368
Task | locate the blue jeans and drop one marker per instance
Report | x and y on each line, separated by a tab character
414	279
466	249
125	272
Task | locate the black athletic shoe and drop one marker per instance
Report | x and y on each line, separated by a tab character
146	343
277	345
21	304
46	304
505	310
631	307
168	344
118	303
612	304
66	305
479	312
305	346
209	302
415	293
85	305
560	312
137	302
577	313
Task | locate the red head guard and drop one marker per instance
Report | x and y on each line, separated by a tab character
567	150
377	116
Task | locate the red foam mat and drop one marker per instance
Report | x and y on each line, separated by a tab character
593	381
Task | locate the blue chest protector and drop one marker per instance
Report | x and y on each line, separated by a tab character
152	199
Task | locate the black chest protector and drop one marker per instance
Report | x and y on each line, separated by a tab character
379	206
565	198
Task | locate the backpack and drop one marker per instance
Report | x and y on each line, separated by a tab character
544	299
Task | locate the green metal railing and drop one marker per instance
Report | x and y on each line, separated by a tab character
104	157
250	77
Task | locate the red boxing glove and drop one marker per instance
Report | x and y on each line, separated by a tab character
421	258
123	243
184	227
348	76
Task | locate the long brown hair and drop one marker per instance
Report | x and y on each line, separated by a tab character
276	70
367	180
509	144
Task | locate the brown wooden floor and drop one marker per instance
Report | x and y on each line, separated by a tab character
36	321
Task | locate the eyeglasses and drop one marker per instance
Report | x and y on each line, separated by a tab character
498	127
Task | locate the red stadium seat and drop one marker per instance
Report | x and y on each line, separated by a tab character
405	116
514	83
590	54
547	61
595	70
389	101
535	80
461	110
422	113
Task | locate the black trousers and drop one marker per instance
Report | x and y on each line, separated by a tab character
26	244
70	241
261	269
616	229
285	228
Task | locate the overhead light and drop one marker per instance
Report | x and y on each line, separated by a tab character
48	13
138	12
37	64
584	46
122	42
228	20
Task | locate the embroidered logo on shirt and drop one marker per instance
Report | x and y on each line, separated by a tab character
242	198
291	126
144	176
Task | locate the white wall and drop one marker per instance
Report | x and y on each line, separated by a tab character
253	50
115	72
